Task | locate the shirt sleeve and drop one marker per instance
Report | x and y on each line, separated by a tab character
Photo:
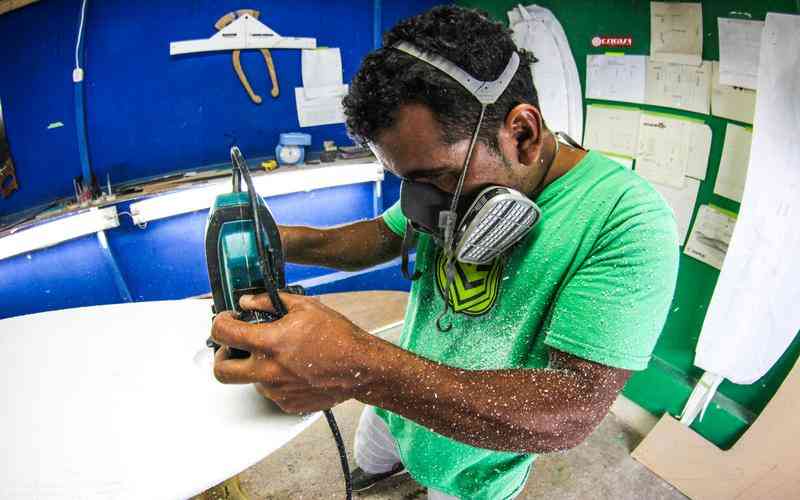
394	219
613	308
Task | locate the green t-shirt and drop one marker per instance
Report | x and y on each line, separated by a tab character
594	278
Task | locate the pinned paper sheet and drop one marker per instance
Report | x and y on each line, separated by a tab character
622	160
666	146
733	166
739	46
699	149
612	129
615	78
734	103
711	235
676	31
679	86
320	110
319	101
322	67
682	201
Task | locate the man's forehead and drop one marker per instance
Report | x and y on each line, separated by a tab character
413	142
410	163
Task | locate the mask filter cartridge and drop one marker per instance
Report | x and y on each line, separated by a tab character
497	219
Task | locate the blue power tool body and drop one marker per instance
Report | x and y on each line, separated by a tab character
244	256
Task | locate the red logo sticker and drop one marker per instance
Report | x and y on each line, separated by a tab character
612	41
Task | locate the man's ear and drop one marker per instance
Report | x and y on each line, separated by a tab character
525	126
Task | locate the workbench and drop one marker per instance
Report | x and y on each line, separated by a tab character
119	401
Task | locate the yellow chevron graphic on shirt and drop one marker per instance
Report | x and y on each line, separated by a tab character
475	287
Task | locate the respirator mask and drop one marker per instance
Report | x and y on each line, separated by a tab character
473	230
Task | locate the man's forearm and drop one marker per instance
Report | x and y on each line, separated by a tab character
348	248
521	410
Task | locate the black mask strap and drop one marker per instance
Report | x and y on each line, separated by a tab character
409	242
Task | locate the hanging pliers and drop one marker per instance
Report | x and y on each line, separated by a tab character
236	55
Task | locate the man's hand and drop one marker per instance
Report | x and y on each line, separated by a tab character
309	360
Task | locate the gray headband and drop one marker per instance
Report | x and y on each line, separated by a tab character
485	92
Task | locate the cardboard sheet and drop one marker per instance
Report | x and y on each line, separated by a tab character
763	464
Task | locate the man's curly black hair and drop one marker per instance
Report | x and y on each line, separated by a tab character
389	78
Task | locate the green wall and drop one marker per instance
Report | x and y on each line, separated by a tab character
666	384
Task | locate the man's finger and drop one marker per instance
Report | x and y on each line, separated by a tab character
248	371
229	331
262	302
231	371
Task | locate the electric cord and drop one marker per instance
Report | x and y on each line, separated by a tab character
337	436
240	165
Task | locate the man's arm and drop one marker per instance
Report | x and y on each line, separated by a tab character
315	358
348	248
519	410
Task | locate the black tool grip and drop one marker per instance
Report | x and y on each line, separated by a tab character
254	317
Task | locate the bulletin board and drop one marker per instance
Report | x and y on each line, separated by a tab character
666	384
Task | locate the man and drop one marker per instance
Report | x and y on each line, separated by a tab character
530	368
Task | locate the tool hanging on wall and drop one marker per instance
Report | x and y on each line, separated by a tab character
8	175
241	30
236	54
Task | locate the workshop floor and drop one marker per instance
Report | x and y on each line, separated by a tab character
600	468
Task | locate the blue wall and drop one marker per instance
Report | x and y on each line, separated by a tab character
149	113
165	260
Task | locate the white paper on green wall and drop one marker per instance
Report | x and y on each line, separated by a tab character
699	149
733	165
616	78
682	201
734	103
612	129
739	48
679	86
711	235
676	32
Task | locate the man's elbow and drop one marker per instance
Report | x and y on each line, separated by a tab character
561	434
